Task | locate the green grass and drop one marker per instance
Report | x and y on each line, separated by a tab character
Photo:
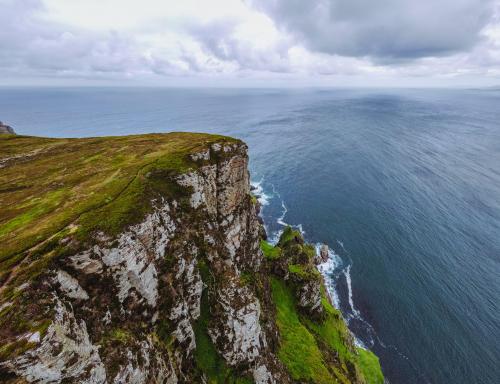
370	366
288	235
298	350
270	252
304	272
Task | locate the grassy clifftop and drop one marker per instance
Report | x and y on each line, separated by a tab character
50	185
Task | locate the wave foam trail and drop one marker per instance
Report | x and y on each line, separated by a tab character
347	273
281	219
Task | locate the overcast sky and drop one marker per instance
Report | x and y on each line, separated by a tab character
250	42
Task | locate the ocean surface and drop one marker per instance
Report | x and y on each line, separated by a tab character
403	185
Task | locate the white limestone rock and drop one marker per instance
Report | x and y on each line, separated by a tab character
64	353
237	330
70	286
261	375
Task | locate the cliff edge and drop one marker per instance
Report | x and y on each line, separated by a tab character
140	259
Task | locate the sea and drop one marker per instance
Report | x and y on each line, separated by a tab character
403	185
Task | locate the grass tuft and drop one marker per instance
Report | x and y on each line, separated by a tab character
270	252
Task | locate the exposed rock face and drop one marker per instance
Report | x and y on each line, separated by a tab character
6	129
309	297
65	352
126	308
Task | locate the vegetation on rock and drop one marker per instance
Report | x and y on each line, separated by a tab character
313	350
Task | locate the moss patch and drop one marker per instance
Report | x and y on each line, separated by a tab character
270	252
370	367
289	235
304	272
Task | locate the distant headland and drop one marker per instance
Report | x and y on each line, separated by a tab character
6	129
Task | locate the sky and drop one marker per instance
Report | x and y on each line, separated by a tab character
251	43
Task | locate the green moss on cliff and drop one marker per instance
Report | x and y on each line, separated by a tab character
304	272
288	235
269	251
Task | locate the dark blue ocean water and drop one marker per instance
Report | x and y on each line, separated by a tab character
404	185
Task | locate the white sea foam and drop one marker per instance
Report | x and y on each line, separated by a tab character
281	219
328	269
341	245
263	198
347	273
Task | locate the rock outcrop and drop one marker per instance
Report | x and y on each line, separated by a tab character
179	293
6	129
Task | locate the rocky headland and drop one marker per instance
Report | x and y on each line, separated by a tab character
141	259
6	129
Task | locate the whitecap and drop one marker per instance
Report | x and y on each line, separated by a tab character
258	191
327	270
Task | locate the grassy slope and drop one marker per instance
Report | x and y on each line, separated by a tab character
47	184
307	344
299	350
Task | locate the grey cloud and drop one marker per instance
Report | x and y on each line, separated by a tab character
386	30
27	42
218	40
32	46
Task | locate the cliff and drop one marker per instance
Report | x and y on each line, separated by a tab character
140	259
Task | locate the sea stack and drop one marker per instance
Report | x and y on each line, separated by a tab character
324	253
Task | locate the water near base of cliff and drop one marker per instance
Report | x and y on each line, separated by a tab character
403	185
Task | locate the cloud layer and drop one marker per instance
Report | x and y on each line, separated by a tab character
385	29
317	42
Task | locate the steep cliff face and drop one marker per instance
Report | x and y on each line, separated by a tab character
158	277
